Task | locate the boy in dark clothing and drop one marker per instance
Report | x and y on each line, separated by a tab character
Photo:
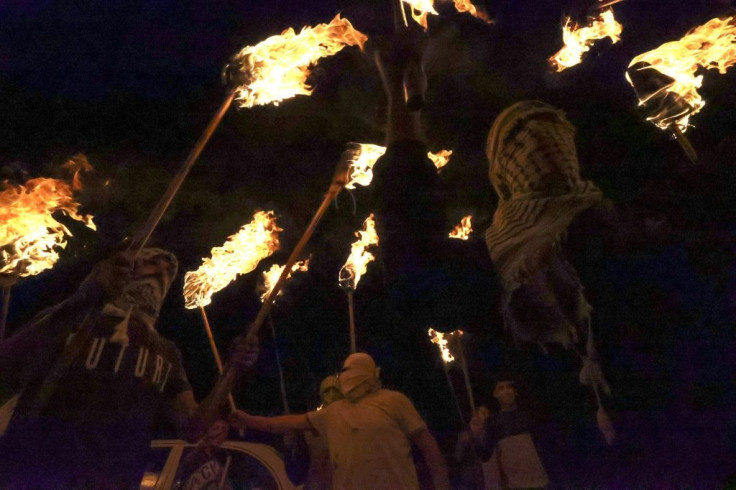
93	374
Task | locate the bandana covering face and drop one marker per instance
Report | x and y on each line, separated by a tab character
359	376
142	297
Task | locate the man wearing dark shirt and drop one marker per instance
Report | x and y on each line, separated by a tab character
505	439
93	375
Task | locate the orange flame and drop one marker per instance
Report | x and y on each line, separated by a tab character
420	9
240	254
271	276
463	230
443	342
467	6
363	157
578	40
711	46
277	68
441	158
357	263
29	236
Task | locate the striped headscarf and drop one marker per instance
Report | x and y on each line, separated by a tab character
534	170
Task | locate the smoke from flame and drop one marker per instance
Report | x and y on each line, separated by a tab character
240	254
463	230
271	276
277	68
363	156
29	236
711	46
443	342
359	258
578	40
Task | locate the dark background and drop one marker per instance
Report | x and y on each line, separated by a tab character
132	84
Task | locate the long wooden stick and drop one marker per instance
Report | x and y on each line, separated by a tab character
684	141
454	393
216	353
466	374
351	314
282	384
339	179
6	308
144	233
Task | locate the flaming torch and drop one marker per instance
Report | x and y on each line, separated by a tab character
271	71
421	9
578	39
665	79
443	344
240	254
339	180
463	230
270	277
356	266
363	156
278	68
30	238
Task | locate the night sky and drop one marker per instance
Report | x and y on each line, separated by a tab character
132	84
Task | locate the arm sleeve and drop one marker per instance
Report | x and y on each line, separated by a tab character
430	277
407	416
317	419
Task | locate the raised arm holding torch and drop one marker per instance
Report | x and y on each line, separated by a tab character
339	180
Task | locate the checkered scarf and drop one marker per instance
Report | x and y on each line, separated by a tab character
534	170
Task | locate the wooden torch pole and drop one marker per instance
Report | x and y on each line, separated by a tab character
339	179
6	308
144	233
216	353
684	141
351	314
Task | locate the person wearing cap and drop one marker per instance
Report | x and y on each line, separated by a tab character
94	375
369	432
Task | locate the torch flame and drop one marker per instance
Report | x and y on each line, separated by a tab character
357	263
240	254
443	342
463	230
711	46
363	156
271	276
420	9
578	40
277	68
441	158
467	6
29	236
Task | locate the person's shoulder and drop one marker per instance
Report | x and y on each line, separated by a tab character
393	395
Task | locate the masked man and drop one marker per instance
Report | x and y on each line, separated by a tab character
94	377
369	432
